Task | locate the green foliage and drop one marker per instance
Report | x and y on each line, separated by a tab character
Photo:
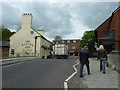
5	33
45	47
0	33
88	39
58	38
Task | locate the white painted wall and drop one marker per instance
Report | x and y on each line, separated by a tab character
23	42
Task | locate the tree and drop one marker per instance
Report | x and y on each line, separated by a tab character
5	33
88	39
58	38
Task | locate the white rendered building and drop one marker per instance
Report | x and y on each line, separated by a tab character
29	42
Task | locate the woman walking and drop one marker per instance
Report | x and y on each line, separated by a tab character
102	55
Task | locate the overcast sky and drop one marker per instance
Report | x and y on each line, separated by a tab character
67	19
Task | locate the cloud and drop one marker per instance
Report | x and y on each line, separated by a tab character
91	14
56	19
11	16
67	19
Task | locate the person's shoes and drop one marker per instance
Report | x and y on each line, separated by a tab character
103	72
81	76
89	73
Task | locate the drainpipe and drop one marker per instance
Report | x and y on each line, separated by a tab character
35	44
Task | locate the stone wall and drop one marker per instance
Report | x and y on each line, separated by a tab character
113	60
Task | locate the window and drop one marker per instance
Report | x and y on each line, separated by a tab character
74	41
77	41
32	32
73	47
68	41
56	42
53	42
62	41
12	51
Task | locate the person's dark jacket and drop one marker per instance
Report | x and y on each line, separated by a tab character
83	56
102	54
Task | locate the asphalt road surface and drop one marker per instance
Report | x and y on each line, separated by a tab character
39	73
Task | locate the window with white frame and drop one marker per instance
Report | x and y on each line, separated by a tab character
68	41
73	46
32	32
74	41
63	41
12	51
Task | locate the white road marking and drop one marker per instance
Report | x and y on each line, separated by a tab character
65	86
65	83
16	63
20	63
12	64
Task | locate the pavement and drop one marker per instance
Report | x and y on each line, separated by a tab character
9	61
97	79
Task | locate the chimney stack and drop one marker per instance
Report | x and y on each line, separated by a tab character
26	20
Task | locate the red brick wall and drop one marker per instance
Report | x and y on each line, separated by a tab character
117	27
70	47
102	29
114	25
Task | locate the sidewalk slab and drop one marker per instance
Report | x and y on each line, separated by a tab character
97	79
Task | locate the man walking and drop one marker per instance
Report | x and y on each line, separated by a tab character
83	57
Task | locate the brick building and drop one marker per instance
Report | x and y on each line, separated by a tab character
108	33
4	48
73	45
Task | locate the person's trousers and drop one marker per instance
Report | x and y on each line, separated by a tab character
81	69
103	62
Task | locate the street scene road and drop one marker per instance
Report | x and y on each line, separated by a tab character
46	73
52	48
52	73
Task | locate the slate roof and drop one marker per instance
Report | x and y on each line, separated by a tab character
5	43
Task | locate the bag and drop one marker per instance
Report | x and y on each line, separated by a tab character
107	64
